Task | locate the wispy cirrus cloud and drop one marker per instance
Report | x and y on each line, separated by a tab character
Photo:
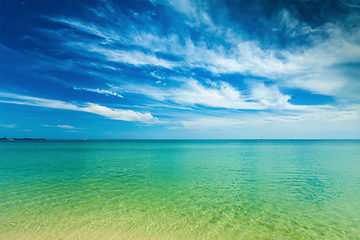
322	117
8	125
111	113
305	67
351	3
136	58
244	57
66	126
100	91
199	60
221	94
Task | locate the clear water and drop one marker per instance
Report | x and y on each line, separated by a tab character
241	189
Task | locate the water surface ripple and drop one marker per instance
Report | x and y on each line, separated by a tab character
215	189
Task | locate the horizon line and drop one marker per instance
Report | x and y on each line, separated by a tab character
145	139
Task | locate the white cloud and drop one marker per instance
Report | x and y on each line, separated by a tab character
154	75
184	6
270	96
100	91
293	26
8	125
328	117
119	114
324	64
310	68
205	123
349	4
242	56
66	126
315	67
87	27
134	57
116	114
220	95
192	92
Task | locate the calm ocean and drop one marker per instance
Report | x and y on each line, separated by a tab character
180	189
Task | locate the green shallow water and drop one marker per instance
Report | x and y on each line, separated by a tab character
241	189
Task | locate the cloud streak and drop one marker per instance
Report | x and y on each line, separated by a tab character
111	113
322	116
100	91
193	64
304	67
8	125
66	126
221	94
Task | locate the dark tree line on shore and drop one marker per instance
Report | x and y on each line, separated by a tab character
4	138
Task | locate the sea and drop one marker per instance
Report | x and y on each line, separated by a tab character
180	189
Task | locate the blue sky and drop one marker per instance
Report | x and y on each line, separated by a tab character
180	69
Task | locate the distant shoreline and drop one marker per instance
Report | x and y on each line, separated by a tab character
166	139
10	139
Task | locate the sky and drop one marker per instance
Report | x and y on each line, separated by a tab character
180	69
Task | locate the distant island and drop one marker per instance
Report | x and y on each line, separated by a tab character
4	138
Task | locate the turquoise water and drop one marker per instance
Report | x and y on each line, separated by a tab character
215	189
